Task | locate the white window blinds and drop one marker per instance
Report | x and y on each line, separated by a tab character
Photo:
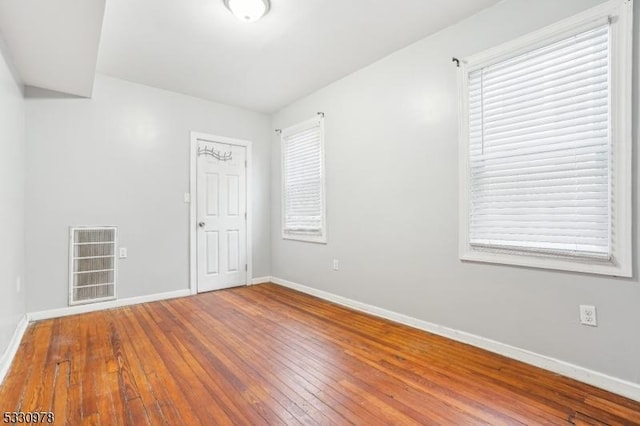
539	134
303	169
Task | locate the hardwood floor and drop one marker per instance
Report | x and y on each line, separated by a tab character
269	355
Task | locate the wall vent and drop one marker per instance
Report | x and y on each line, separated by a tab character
92	264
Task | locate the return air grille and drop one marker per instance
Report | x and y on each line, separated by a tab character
92	273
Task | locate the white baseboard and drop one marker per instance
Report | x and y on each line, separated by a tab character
12	348
260	280
81	309
612	384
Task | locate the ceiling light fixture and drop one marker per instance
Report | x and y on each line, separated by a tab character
248	10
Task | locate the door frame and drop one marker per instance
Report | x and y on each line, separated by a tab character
193	219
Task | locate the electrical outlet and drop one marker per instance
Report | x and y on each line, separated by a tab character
187	197
123	252
588	315
18	284
336	264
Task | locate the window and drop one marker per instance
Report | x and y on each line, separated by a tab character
303	198
545	147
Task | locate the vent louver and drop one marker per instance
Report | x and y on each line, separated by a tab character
92	264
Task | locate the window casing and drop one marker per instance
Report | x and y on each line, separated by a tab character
303	182
545	164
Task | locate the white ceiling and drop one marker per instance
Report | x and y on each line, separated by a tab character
198	48
54	43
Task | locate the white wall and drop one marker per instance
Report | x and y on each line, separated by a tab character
12	169
122	158
392	196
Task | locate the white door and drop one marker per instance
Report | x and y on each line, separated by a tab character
221	216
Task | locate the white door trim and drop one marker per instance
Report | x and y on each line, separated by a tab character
193	250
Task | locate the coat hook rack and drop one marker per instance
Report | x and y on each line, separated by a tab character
278	131
457	61
226	156
321	114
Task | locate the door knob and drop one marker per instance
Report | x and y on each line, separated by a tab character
201	224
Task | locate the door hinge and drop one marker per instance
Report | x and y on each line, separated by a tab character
245	164
245	215
246	267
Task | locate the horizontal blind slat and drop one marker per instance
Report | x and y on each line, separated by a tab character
563	88
557	50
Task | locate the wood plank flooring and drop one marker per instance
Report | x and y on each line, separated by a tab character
270	355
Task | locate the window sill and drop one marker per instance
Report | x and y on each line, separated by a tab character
318	239
545	261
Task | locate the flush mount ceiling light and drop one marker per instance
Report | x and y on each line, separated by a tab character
248	10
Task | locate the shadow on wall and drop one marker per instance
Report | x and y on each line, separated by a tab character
31	92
